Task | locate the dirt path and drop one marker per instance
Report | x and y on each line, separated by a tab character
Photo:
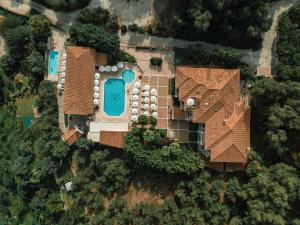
2	47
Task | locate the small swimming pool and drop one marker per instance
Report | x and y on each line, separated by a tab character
128	76
27	121
114	97
53	62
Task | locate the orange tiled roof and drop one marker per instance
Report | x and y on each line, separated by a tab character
71	136
112	138
218	106
80	69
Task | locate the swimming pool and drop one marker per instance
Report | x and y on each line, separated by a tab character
114	97
128	76
53	62
27	121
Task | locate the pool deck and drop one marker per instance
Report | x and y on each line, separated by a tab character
124	117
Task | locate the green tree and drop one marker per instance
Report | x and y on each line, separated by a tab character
40	27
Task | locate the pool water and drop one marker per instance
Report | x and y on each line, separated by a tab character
114	97
27	121
128	76
53	62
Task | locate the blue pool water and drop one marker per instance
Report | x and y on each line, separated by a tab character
128	76
27	121
53	62
114	97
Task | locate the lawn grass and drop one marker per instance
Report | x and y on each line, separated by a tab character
24	106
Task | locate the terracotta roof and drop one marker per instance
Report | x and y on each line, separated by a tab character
218	106
112	138
80	69
71	136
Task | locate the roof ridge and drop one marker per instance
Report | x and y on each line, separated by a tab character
235	117
204	116
230	147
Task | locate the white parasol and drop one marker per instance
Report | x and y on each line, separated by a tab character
146	100
62	80
114	68
153	107
96	89
120	65
137	84
96	95
64	56
96	82
63	63
58	86
63	74
153	91
146	93
96	102
135	91
154	114
108	68
102	69
97	76
134	104
147	87
146	106
146	113
134	118
190	102
63	68
153	99
135	97
134	111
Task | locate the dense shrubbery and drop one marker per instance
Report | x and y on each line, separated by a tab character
156	61
236	23
93	36
64	5
144	148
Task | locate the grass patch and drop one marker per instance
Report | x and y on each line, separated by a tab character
24	106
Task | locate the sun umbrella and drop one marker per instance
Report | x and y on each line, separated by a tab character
58	86
102	69
153	107
153	91
147	87
96	102
137	84
135	97
97	76
63	68
108	68
154	114
96	82
134	118
63	74
63	63
146	113
62	80
120	65
134	104
190	102
146	106
135	91
146	100
134	111
153	99
96	95
114	68
146	93
96	89
64	56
